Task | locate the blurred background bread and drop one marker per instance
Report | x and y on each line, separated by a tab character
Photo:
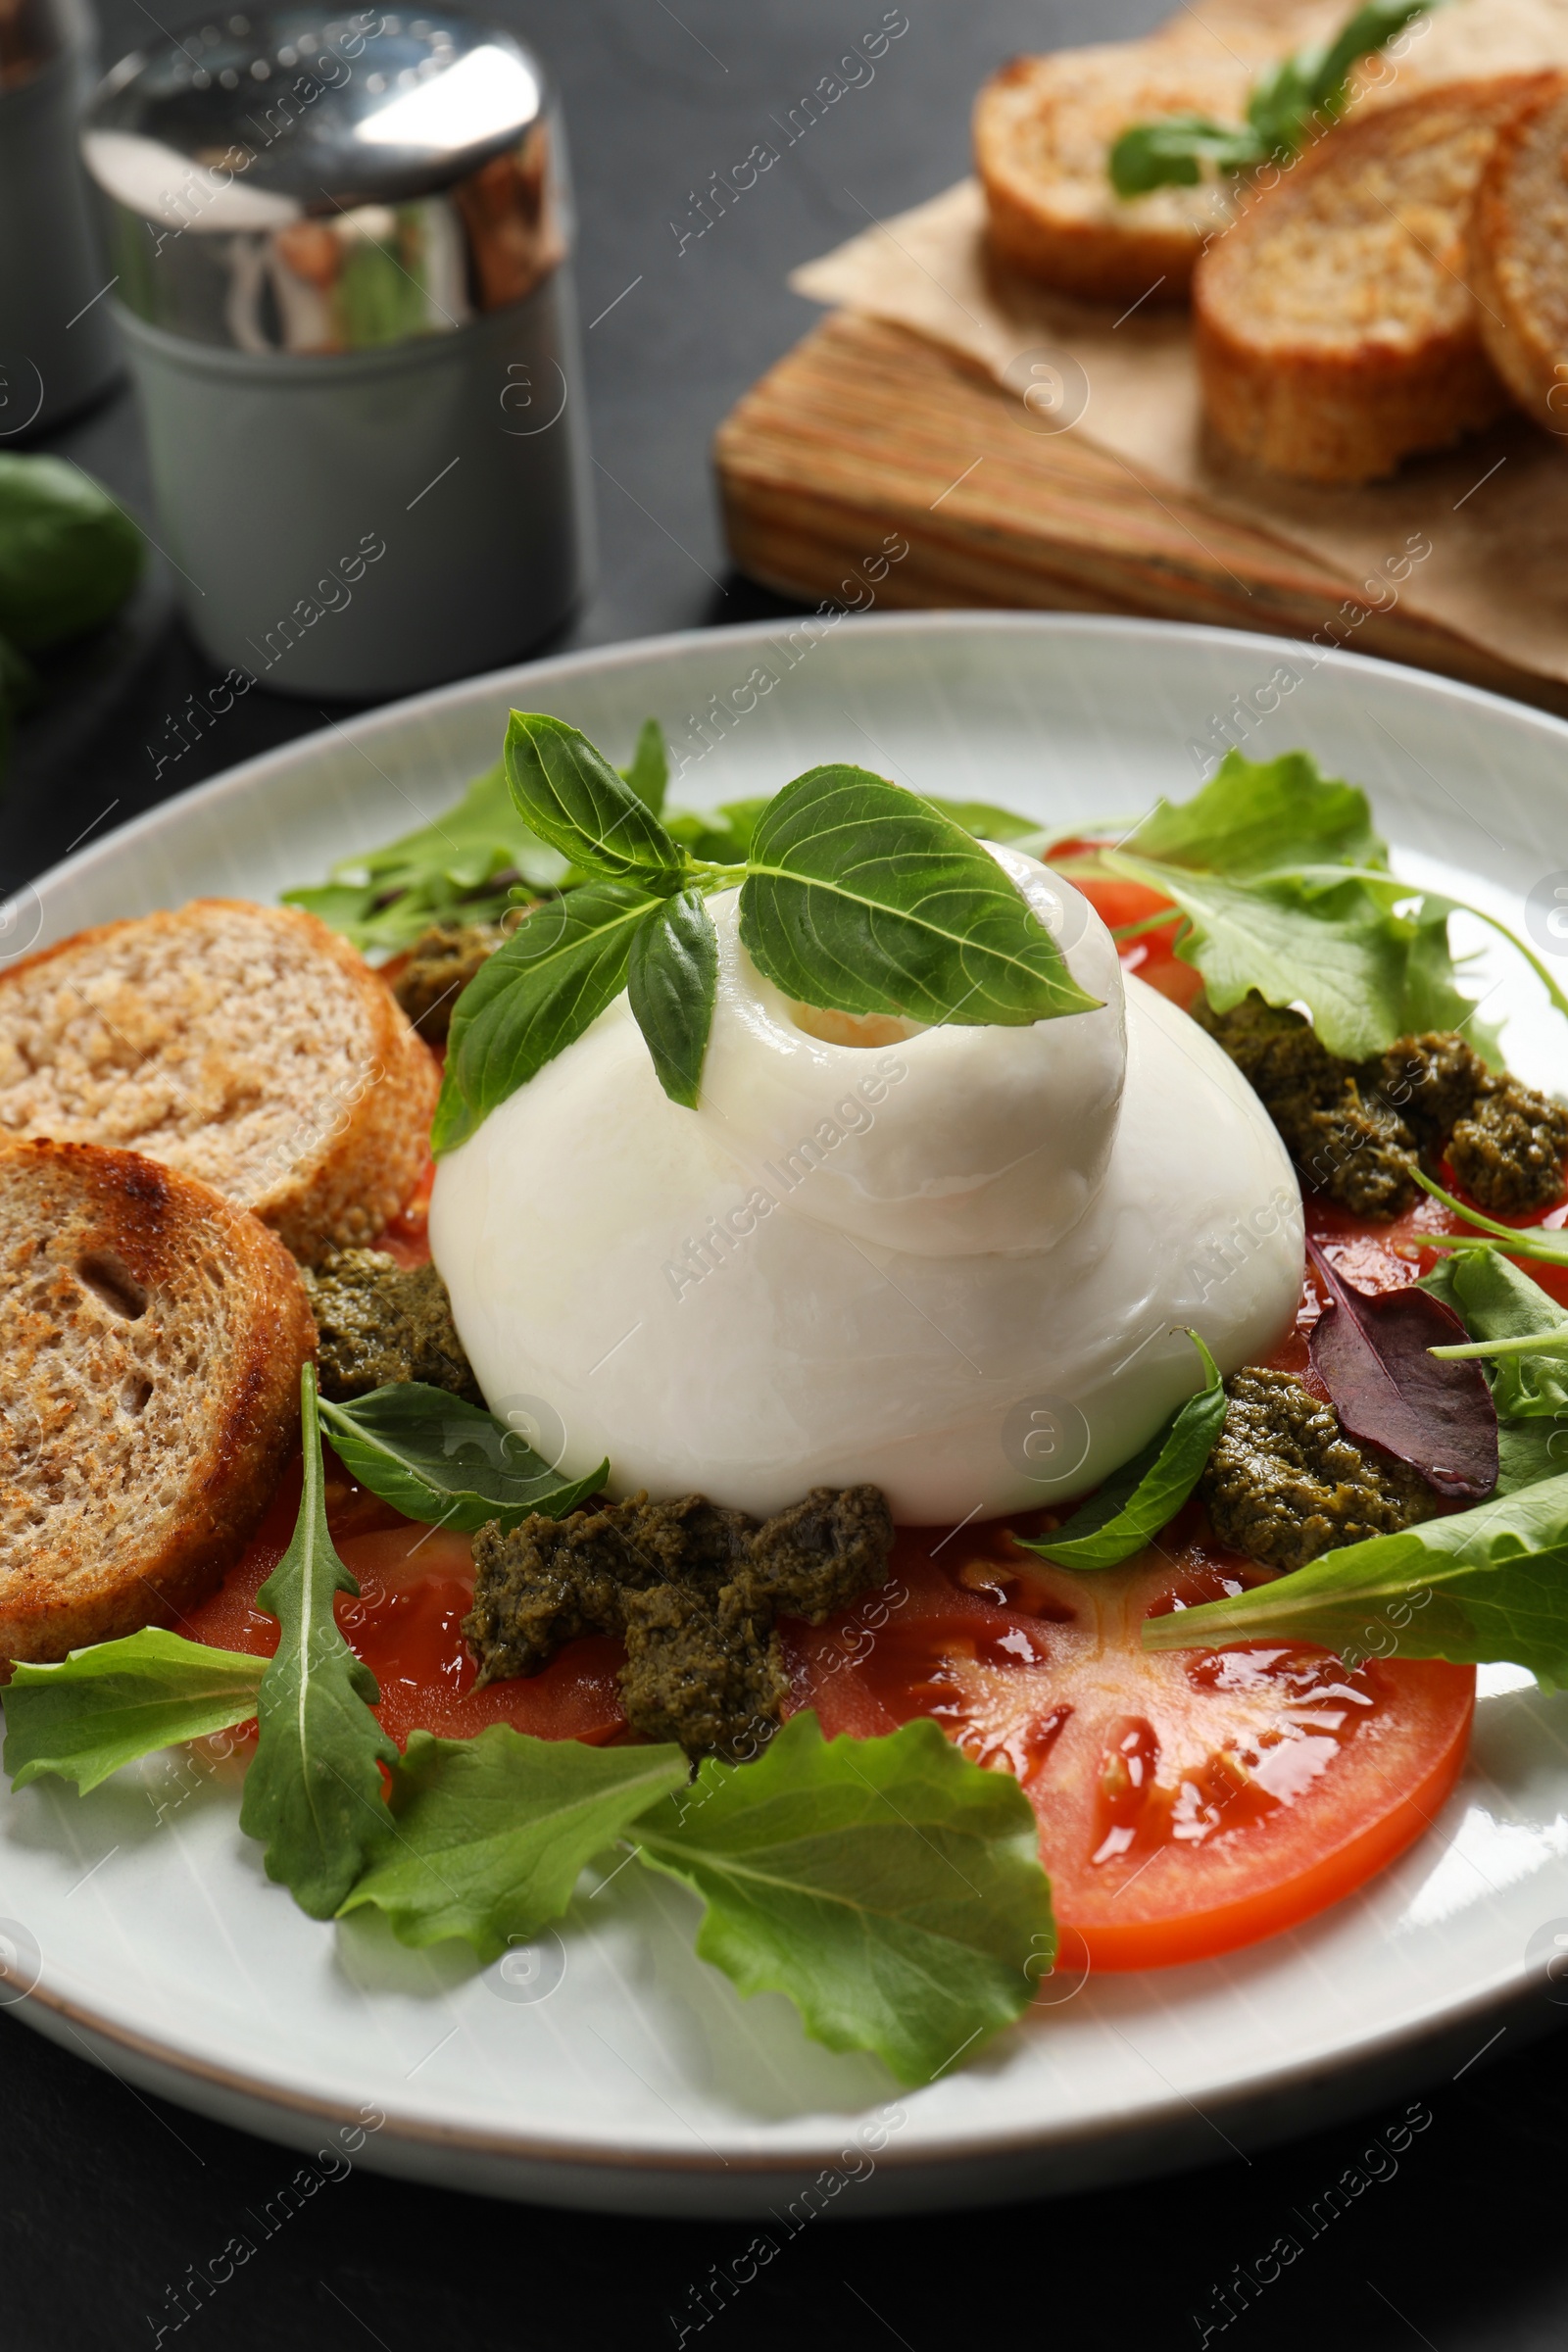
152	1341
1519	255
1335	328
246	1046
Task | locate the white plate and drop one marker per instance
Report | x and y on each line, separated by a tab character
624	2073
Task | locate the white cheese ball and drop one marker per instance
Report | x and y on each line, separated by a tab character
973	1297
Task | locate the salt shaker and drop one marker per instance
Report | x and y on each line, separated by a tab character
342	248
57	342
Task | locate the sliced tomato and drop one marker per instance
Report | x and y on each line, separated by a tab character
416	1588
1151	954
1187	1801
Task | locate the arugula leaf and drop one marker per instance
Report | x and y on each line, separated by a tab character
1311	87
565	962
1134	1505
864	899
313	1792
493	1833
438	1458
649	772
1514	1328
1529	1452
1262	816
1485	1587
569	793
459	868
105	1706
984	821
671	982
890	1886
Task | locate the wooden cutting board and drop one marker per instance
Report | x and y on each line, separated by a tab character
864	431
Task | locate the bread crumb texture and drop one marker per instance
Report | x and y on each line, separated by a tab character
152	1335
1335	329
1044	127
245	1046
1519	262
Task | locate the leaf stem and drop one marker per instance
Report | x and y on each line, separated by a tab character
1149	922
1527	1241
1530	1342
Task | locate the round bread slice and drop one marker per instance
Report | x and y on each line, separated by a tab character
1044	128
246	1046
1519	255
152	1337
1335	327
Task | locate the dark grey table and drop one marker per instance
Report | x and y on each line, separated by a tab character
106	2197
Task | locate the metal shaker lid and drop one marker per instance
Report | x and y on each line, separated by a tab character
304	183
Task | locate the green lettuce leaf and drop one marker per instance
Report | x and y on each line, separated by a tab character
493	1833
1262	816
889	1886
569	793
1504	1312
313	1794
1485	1587
671	982
1134	1504
533	997
438	1458
105	1706
862	897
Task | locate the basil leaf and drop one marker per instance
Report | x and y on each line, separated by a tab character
862	899
1171	153
565	962
313	1793
435	1457
105	1706
1485	1587
69	554
1262	816
722	838
570	795
1134	1504
1497	1301
649	772
671	981
890	1886
493	1833
1301	93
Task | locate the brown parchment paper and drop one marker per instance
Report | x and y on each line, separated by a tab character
1494	510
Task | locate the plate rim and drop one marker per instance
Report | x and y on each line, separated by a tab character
962	2145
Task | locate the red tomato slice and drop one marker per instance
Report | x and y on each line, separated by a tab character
1189	1801
1151	954
416	1588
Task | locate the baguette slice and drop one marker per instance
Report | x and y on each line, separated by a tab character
1519	255
1335	328
246	1046
152	1337
1044	128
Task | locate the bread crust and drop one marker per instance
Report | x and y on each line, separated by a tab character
246	1046
1334	328
152	1335
1042	130
1519	255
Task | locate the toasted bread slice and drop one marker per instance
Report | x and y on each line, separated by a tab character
1519	255
246	1046
1334	324
1044	128
151	1338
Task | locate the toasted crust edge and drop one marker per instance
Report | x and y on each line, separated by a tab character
1527	365
255	1430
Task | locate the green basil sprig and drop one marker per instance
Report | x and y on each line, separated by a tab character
855	895
1134	1504
435	1457
1311	87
